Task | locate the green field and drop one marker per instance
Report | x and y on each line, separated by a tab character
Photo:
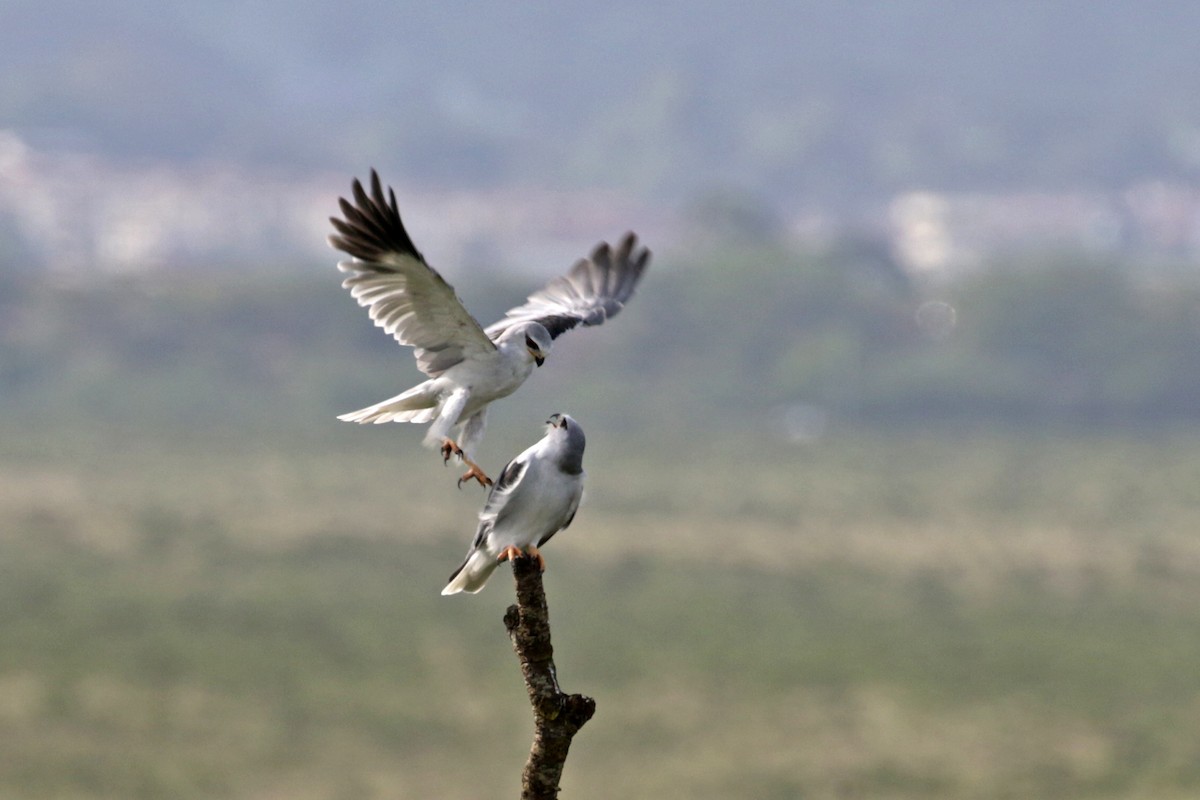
946	616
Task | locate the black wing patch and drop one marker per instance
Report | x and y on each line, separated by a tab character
372	227
594	289
509	476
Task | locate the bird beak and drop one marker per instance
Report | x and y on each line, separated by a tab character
539	360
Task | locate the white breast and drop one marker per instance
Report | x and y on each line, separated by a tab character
538	508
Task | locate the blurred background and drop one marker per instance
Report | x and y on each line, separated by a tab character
894	459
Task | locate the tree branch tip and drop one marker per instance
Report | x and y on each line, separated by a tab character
524	565
557	716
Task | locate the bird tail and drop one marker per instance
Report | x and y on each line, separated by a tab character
473	574
418	404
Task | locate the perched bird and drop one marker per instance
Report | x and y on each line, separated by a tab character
536	496
468	366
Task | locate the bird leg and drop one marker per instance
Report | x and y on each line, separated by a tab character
509	552
473	471
512	552
450	448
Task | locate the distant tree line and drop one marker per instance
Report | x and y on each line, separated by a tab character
729	336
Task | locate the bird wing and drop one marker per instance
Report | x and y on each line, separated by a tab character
570	517
404	295
510	478
595	289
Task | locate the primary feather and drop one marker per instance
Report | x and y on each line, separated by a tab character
468	366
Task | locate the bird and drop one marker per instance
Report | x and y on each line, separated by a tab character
469	366
535	497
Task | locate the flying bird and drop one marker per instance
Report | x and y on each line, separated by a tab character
468	365
536	496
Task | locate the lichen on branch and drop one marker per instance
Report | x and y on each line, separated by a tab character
557	716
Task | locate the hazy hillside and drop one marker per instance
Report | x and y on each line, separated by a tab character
816	102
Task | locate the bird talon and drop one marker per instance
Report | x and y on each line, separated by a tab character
473	471
508	553
483	480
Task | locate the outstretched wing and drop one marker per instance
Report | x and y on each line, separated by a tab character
595	289
404	295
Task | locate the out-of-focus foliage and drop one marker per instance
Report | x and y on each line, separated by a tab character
737	333
1060	340
191	614
212	587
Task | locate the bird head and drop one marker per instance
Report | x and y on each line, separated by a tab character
568	433
537	342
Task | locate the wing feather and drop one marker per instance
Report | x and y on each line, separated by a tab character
565	525
594	289
509	478
402	294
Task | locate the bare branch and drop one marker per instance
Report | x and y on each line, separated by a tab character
557	716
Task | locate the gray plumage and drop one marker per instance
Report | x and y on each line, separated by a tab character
535	497
468	366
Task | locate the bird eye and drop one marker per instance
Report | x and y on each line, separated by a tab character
530	343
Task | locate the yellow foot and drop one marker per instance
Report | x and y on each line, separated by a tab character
473	471
450	448
508	553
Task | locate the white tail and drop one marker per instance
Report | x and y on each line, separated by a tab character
418	404
473	573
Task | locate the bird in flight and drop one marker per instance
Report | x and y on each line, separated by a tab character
536	496
468	365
